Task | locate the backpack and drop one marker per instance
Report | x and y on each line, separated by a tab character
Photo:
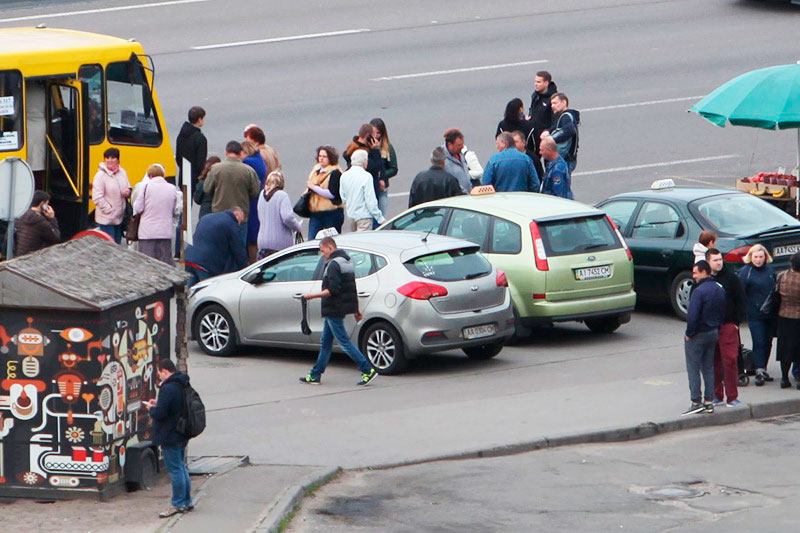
192	421
569	152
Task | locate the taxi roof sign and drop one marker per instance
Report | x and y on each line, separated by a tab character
480	190
659	185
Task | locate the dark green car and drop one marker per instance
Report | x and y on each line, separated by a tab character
661	225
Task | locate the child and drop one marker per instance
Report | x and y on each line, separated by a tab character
707	240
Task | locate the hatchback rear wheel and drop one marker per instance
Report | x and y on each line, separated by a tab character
214	331
383	347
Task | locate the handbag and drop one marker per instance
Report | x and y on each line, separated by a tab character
772	303
302	207
132	227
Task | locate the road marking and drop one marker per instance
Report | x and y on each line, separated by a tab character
653	165
639	104
280	39
103	10
705	182
459	70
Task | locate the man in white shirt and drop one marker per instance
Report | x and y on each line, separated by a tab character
358	194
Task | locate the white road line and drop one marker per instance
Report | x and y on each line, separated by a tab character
635	167
280	39
458	70
102	10
638	104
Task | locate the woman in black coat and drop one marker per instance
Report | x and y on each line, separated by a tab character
514	120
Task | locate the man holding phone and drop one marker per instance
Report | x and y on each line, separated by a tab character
38	227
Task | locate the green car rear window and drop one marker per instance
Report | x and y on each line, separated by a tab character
578	235
453	265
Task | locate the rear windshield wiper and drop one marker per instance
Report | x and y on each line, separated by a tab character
768	230
593	246
474	275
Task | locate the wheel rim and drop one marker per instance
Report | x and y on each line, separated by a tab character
381	349
215	332
683	293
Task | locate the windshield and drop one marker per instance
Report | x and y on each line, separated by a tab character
454	265
740	214
10	110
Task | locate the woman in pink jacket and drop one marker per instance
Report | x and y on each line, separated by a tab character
157	202
110	188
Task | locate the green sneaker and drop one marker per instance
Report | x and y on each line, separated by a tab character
368	377
708	407
694	408
310	380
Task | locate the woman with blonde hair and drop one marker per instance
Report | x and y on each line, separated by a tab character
389	162
758	278
276	217
157	203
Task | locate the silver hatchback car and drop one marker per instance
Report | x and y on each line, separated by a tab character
418	294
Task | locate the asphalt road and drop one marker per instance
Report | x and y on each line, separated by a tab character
633	67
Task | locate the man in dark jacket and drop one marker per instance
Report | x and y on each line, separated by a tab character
218	246
339	299
726	368
433	183
165	413
541	113
192	145
564	129
706	311
38	227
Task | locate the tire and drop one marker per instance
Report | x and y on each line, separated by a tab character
679	293
214	331
383	347
147	473
604	325
483	351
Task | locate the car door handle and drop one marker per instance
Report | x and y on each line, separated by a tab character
363	294
667	253
297	296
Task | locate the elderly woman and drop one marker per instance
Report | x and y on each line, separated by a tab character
110	188
788	285
758	279
323	184
276	216
156	202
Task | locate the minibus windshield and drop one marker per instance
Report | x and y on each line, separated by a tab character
131	114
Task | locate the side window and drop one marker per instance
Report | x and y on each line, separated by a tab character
423	220
620	212
469	225
299	266
506	237
131	114
92	75
365	263
11	118
656	221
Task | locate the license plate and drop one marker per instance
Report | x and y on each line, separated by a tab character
789	249
598	272
476	332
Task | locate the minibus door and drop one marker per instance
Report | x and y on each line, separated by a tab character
67	154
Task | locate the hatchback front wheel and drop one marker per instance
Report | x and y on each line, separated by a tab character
214	331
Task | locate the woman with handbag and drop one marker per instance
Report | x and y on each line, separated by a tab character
156	206
788	287
276	216
758	279
110	190
324	202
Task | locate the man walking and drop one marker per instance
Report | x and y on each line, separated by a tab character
726	368
358	194
564	129
557	181
218	246
192	145
455	162
339	299
433	183
165	413
509	169
232	184
706	311
541	113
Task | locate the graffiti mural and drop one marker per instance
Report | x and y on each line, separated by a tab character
72	387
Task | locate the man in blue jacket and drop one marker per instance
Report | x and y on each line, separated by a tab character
557	181
509	169
218	246
165	413
706	311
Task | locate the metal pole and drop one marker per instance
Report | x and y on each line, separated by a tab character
10	236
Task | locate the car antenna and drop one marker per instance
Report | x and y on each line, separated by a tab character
425	238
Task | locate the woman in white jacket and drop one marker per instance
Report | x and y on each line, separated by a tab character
707	240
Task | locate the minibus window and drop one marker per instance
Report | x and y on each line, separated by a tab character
10	110
92	75
131	115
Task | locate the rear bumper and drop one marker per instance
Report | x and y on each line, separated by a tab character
543	311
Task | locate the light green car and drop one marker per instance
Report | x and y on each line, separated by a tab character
564	260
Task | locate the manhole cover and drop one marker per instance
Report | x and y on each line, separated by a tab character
673	493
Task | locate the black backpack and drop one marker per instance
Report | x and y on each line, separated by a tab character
192	421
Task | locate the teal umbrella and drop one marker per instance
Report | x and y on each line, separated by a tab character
766	98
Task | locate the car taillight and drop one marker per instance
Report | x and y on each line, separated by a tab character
419	290
737	254
501	279
538	248
621	239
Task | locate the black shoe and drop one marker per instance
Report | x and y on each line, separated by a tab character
785	384
367	378
759	380
767	377
189	508
310	380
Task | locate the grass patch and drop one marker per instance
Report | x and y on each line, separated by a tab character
307	491
283	524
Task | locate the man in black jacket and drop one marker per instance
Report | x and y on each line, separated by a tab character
165	413
433	183
541	113
192	145
339	299
726	368
564	129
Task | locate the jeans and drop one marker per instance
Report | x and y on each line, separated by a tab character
181	484
325	219
726	365
700	361
761	331
383	201
115	232
334	327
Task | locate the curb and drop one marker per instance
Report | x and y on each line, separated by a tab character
270	520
